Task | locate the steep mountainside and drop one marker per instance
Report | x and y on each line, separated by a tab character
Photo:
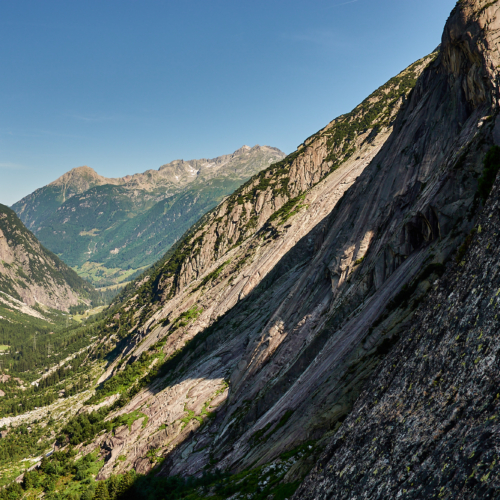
246	282
31	275
314	279
108	228
428	425
360	268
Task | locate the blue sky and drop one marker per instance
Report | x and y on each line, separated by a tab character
127	85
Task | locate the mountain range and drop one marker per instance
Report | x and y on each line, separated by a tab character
327	331
110	229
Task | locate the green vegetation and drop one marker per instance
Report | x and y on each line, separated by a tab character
124	379
491	168
288	210
62	476
35	346
21	442
107	278
84	427
213	275
187	317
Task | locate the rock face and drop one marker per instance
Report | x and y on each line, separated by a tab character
106	227
31	275
427	425
245	297
283	302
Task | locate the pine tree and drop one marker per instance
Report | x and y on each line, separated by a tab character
101	491
114	486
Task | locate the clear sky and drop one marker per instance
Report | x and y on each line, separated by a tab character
127	85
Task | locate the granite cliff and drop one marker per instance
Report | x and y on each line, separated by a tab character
334	318
294	289
245	298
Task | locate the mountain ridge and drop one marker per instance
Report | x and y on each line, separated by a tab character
82	178
107	229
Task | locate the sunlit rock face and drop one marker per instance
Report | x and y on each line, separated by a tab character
284	301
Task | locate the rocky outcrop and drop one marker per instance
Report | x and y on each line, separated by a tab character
31	275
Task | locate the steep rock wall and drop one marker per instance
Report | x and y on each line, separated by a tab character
240	263
427	425
407	211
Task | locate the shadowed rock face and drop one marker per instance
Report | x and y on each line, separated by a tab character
426	426
293	289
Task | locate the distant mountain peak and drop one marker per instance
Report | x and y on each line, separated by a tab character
85	173
133	220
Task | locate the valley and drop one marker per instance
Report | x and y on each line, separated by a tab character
110	230
321	325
